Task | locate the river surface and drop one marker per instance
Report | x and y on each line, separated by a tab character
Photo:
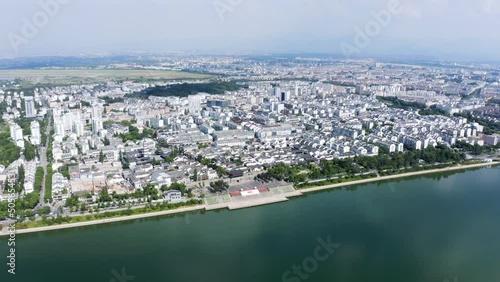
435	228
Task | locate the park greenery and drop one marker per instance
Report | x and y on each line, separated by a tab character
148	191
109	100
400	104
406	105
490	127
433	111
219	186
9	152
476	149
186	89
134	134
363	165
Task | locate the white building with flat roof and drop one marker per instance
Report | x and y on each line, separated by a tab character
36	137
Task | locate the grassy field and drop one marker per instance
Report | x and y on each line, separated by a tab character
70	76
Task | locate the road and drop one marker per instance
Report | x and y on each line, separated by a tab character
42	152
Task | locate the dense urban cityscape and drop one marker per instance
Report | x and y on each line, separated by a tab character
232	140
240	132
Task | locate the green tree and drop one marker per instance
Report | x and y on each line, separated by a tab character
29	151
21	177
104	195
101	157
219	186
9	151
106	141
72	201
179	187
44	210
195	174
221	171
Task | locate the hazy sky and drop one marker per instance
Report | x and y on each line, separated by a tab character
443	28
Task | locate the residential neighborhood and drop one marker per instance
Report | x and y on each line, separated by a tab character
107	138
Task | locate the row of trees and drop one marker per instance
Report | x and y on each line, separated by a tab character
476	149
29	202
146	191
97	216
48	184
362	164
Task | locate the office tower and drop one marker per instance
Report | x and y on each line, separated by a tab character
59	128
97	123
77	128
276	92
285	96
29	104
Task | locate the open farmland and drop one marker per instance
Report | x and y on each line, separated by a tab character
69	76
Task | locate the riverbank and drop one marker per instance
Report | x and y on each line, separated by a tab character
248	204
104	221
396	176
